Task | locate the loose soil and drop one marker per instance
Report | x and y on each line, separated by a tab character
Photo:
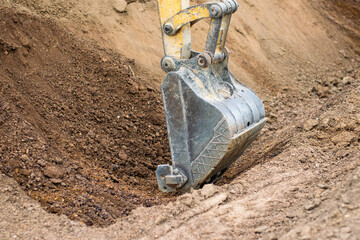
83	129
80	133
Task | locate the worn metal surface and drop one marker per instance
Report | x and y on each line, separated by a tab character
178	45
211	117
196	13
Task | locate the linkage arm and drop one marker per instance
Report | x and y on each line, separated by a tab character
176	26
190	15
178	45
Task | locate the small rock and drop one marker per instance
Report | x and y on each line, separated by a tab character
58	160
25	42
349	69
291	215
344	236
306	237
114	166
122	155
347	80
305	232
150	89
343	53
159	220
261	229
324	195
75	166
55	208
345	198
323	186
310	124
56	180
208	190
120	6
343	138
294	189
312	206
321	91
334	81
188	202
54	172
49	184
170	205
24	157
345	230
330	234
186	199
25	172
6	189
91	133
103	141
342	153
272	236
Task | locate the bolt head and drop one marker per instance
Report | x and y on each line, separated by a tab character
167	64
168	29
203	60
215	11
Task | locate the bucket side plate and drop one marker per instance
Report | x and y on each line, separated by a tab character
207	131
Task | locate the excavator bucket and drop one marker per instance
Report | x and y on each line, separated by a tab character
211	117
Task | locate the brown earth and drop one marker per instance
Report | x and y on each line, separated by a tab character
83	127
80	133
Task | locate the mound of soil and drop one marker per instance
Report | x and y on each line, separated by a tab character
80	133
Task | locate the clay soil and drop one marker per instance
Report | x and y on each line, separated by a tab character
82	127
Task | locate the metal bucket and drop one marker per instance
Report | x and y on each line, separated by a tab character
211	119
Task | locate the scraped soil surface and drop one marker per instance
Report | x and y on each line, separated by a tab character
82	125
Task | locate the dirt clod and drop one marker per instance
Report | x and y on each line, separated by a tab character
54	172
208	190
310	124
344	138
119	5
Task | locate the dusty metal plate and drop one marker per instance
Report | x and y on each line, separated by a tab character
211	119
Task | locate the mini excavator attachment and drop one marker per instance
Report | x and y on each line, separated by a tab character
211	117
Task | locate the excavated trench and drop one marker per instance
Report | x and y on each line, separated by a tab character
79	132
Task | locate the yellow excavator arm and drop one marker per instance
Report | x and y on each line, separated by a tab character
178	45
211	117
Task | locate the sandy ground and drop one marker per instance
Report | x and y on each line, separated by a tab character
301	57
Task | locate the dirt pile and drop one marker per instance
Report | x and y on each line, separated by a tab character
80	133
